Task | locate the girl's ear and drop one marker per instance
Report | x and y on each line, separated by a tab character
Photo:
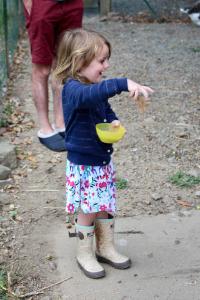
79	72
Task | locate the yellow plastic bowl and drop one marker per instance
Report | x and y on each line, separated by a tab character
109	134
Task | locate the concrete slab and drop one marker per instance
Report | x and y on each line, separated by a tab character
165	251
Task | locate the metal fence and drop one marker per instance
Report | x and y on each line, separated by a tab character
154	7
11	23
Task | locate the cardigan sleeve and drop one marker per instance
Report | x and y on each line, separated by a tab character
88	95
110	114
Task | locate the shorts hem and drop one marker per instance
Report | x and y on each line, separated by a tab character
39	62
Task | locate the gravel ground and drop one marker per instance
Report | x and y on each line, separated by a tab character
165	138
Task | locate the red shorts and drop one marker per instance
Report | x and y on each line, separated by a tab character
47	20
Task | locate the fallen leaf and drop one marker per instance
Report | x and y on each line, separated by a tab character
184	203
142	103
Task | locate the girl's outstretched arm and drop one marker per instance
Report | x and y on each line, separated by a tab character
88	95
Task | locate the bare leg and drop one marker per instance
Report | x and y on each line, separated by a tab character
57	102
86	219
49	137
102	215
40	75
57	105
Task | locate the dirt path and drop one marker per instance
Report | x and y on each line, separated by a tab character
158	144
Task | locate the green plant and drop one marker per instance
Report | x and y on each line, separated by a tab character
3	122
3	285
121	183
8	109
17	150
184	180
196	49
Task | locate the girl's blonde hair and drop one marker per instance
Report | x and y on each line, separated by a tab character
76	50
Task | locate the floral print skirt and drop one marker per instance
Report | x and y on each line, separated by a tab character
90	188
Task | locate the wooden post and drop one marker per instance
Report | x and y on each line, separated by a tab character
105	7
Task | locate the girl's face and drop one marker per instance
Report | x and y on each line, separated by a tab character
94	71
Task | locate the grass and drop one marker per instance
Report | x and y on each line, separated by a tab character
3	285
195	49
121	183
5	291
184	180
8	109
3	122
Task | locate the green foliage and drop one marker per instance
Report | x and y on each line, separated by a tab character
3	122
13	214
184	180
3	285
8	109
195	49
121	183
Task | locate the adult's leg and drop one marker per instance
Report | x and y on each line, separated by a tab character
40	75
42	41
57	103
48	136
69	17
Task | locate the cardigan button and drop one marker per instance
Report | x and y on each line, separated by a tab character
108	150
104	162
105	120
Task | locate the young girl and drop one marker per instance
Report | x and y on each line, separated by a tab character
83	57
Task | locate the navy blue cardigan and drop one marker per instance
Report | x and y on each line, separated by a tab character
85	105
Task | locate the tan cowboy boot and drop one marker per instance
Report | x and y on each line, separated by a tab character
85	256
105	250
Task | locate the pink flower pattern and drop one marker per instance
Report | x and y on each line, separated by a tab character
70	207
91	188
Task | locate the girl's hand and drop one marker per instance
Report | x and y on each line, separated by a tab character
115	123
136	89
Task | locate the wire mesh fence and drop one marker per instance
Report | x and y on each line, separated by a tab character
153	7
11	23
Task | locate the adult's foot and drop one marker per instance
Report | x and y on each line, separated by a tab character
60	130
53	141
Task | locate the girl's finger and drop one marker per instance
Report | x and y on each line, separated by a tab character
148	89
115	123
136	95
145	93
132	93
